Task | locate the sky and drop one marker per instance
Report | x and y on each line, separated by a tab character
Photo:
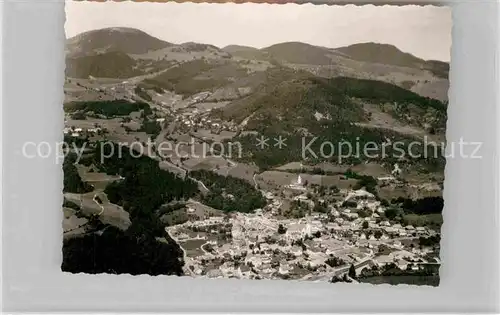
422	31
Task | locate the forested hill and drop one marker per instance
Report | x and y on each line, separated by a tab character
299	102
141	192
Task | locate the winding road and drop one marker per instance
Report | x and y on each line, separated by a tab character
101	206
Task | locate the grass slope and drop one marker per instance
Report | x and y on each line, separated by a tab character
106	65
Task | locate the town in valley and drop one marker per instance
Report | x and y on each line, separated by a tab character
196	191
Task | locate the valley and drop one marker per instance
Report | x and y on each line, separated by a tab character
173	168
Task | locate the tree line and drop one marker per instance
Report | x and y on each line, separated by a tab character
142	191
108	108
229	193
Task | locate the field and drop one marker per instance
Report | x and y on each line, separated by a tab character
72	224
108	213
277	179
406	191
202	211
244	171
206	106
207	134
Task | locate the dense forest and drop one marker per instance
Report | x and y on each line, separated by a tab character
368	182
382	92
292	103
72	181
142	191
150	127
143	94
290	108
117	252
344	138
145	186
187	79
113	64
108	108
229	193
427	205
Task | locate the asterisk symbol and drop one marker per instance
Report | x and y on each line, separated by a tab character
262	142
280	142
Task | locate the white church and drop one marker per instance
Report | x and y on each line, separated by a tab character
297	184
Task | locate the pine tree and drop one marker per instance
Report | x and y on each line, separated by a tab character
281	229
352	272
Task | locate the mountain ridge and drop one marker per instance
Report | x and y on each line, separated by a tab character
343	49
112	39
374	61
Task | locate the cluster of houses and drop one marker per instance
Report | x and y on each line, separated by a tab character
192	120
77	132
264	246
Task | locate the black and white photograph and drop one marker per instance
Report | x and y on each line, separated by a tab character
256	141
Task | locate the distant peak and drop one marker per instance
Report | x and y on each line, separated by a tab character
381	53
124	29
239	47
198	46
126	39
121	29
372	45
293	44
